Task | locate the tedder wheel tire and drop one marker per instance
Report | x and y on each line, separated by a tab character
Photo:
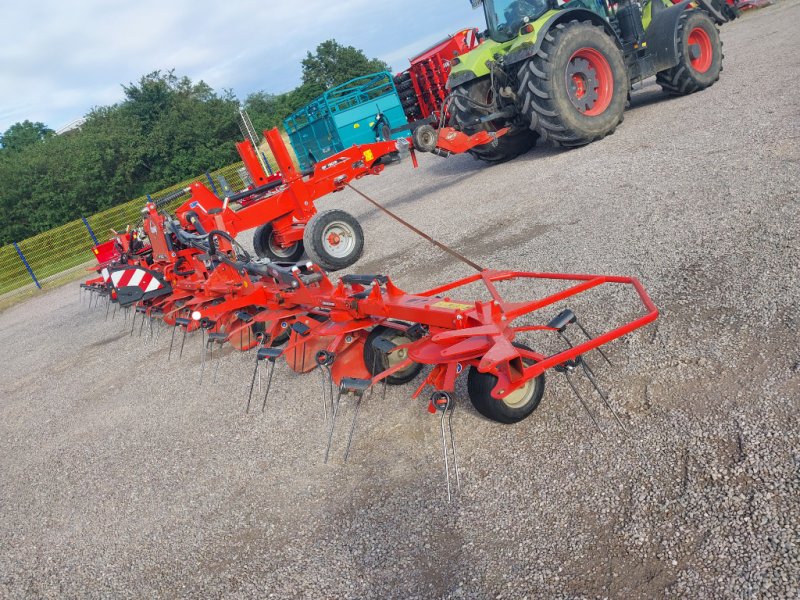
699	56
574	88
514	407
378	362
265	246
473	100
333	239
424	138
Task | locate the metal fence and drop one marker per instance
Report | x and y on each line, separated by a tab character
39	261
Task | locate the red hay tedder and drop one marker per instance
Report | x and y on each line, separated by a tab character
187	271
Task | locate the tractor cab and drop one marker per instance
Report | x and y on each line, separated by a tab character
504	18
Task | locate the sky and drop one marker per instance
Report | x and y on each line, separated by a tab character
61	58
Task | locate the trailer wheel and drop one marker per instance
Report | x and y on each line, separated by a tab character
574	88
333	239
699	56
474	100
378	362
265	246
515	407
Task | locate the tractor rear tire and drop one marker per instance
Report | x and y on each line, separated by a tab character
515	407
474	100
699	56
574	89
333	239
265	246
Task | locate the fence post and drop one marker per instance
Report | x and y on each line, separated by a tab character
211	181
27	266
91	233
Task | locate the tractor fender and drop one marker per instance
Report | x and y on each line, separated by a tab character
570	14
661	37
527	50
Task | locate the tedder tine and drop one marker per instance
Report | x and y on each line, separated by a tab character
203	350
270	354
357	387
442	401
334	410
325	360
142	310
184	324
171	342
589	337
133	320
591	377
566	369
215	338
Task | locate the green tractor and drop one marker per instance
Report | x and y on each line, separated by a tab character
563	71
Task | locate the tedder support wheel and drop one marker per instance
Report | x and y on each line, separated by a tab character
699	56
265	246
333	239
377	362
511	409
474	100
574	89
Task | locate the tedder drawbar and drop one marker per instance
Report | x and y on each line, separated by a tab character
362	330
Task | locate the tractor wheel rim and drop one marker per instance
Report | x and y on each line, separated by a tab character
520	396
590	82
278	250
339	239
701	54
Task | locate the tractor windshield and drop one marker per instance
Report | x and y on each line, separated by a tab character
505	17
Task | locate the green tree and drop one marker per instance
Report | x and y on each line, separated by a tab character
333	64
23	134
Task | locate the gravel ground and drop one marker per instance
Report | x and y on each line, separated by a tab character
121	477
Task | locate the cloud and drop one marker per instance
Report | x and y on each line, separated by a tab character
62	58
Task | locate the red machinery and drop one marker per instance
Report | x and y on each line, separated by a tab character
282	206
423	87
363	330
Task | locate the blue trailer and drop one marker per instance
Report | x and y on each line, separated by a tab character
346	115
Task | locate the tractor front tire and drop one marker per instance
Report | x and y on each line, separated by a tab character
474	100
699	56
265	246
333	239
574	89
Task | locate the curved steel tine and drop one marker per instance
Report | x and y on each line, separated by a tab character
582	401
252	383
171	341
324	382
453	442
333	424
203	352
269	383
590	375
444	451
360	398
183	340
589	337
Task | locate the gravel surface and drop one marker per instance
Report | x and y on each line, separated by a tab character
121	477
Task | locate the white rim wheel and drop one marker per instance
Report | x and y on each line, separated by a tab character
338	239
